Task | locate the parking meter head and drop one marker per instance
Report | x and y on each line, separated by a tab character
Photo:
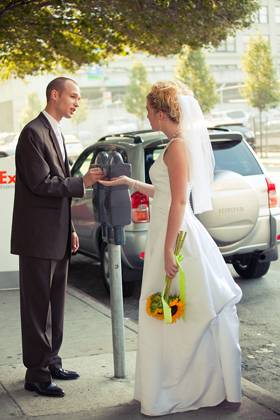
117	202
101	158
115	158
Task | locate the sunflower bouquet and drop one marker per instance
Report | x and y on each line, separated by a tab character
164	305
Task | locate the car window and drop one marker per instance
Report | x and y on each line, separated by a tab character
82	165
229	156
235	156
151	155
236	114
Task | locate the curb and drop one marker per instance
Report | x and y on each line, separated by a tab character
260	396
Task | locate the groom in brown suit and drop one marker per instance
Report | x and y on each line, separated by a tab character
43	235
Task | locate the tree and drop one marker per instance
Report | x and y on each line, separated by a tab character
81	114
193	70
261	87
137	90
32	107
51	35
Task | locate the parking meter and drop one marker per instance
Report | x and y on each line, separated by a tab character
117	202
98	190
112	208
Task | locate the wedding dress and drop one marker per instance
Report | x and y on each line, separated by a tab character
187	365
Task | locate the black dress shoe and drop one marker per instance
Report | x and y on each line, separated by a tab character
64	374
48	389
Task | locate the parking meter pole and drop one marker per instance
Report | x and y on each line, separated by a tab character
116	298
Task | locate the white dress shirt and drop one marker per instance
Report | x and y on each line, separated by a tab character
57	130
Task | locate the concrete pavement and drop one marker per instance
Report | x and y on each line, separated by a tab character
96	395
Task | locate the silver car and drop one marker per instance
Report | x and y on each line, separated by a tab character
244	222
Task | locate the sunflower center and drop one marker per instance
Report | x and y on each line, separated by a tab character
174	309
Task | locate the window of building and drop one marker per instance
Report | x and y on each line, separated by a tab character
263	14
227	46
223	67
277	14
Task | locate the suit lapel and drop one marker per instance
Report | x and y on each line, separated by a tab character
55	143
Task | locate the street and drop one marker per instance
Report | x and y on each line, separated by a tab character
259	312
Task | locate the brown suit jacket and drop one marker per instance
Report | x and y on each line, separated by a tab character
41	225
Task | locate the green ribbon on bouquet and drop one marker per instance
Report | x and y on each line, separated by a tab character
182	284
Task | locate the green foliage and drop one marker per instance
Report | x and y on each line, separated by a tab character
192	70
137	90
32	108
52	35
81	114
261	87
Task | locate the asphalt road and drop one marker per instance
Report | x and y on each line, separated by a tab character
258	311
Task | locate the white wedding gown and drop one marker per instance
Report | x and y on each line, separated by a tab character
185	366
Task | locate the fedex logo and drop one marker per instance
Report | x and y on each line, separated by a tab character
7	179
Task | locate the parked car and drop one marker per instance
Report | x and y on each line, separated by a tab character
10	147
231	115
248	134
270	120
244	222
6	138
3	154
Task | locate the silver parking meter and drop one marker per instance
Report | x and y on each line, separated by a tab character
117	202
112	208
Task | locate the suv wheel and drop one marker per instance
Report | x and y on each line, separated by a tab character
127	286
252	269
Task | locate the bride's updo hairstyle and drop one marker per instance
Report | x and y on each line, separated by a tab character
164	97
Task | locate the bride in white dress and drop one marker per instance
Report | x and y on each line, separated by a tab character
197	362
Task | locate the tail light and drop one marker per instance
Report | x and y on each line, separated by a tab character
140	208
271	189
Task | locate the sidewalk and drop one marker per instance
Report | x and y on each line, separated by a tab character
96	395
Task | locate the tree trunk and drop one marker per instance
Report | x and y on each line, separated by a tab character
261	150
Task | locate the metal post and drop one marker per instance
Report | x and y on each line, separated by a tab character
116	298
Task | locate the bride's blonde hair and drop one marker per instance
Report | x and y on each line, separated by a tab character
164	97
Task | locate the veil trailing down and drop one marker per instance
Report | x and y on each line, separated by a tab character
200	153
197	362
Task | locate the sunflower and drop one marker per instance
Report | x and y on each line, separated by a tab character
158	314
177	308
154	306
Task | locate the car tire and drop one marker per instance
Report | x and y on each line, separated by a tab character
252	270
127	286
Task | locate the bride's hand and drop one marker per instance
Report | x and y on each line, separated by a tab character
171	268
121	180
